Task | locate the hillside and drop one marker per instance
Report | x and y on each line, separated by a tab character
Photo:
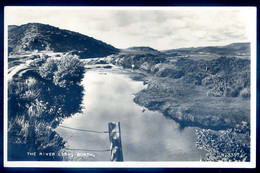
234	49
39	37
140	50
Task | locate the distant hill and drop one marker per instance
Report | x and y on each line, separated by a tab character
141	50
39	37
234	49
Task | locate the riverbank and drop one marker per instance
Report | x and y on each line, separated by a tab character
212	94
191	106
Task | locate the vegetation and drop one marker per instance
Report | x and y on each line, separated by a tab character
40	37
211	94
228	77
65	72
226	145
142	61
234	49
32	113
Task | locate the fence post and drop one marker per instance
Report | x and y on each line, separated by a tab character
115	141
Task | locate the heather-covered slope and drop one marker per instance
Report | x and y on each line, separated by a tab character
38	37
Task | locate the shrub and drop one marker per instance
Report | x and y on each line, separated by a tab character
63	72
39	100
225	145
47	69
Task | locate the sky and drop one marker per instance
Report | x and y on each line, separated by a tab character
159	28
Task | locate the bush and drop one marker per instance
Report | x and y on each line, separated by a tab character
63	72
225	145
39	100
47	69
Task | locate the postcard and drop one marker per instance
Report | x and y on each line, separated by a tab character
130	87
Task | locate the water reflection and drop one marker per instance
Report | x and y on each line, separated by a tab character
146	135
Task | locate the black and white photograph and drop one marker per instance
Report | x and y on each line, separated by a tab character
130	86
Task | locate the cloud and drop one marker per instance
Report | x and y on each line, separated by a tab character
160	28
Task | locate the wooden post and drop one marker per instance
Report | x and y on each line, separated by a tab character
115	141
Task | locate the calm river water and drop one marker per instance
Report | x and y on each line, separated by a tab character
146	135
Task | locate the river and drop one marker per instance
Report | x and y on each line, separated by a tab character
146	135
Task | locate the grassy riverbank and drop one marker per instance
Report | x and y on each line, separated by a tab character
212	94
